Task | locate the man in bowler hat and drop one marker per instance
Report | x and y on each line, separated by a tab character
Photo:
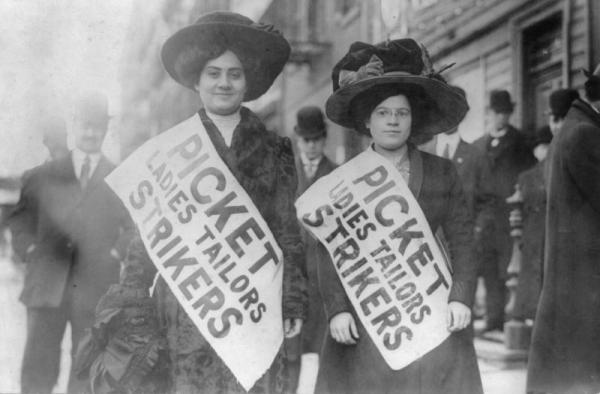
311	164
66	226
564	355
560	102
505	155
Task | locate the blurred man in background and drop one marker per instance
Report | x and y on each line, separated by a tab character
505	154
311	164
65	227
532	187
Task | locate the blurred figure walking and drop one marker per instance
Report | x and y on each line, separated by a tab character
65	227
532	185
564	355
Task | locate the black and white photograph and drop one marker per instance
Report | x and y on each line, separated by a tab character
300	197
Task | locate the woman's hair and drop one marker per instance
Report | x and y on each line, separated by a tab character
191	61
363	105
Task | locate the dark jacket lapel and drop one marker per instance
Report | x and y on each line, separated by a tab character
461	151
415	179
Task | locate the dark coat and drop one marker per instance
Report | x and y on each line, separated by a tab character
313	330
451	367
263	163
565	354
466	160
533	189
73	232
501	165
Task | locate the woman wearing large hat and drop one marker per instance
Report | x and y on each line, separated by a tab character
229	59
391	93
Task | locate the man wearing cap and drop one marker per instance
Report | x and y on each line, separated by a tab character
564	356
66	226
311	164
505	156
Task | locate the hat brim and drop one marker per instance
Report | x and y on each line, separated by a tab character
310	133
270	50
451	105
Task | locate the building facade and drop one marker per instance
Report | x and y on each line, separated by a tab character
528	47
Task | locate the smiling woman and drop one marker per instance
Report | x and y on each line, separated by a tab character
227	59
222	84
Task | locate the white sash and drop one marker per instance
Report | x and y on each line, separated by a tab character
210	244
385	255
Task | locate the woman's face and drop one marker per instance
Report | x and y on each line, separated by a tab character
222	84
390	122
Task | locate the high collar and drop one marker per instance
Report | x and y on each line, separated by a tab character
225	124
306	161
248	148
79	157
587	109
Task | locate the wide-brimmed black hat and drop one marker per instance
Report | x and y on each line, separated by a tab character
500	102
401	63
310	123
261	44
560	101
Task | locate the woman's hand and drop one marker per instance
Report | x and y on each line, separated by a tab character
343	328
292	327
459	316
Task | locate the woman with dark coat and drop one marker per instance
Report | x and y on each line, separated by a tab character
227	59
390	92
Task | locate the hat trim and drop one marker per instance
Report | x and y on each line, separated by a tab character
344	96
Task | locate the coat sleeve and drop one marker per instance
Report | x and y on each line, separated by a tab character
334	296
457	226
287	233
583	163
23	219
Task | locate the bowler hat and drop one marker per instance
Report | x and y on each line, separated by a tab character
500	102
92	107
266	50
561	100
400	64
310	123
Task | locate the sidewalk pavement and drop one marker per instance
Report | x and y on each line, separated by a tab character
499	374
502	372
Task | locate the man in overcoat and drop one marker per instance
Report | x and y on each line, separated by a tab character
311	164
532	186
564	356
66	227
505	155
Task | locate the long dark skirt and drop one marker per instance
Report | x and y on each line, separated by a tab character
451	368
